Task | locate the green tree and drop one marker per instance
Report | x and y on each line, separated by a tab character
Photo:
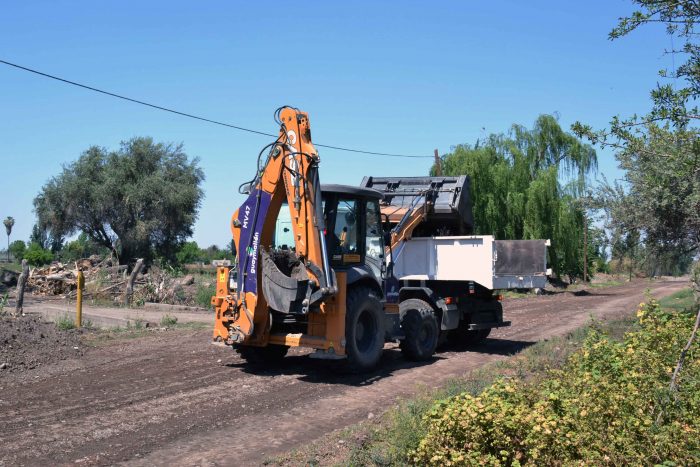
9	223
81	247
660	151
139	201
189	253
17	249
43	237
529	184
597	242
37	256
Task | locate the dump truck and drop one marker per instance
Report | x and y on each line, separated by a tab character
343	269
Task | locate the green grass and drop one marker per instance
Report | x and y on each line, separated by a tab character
204	294
611	283
3	302
136	324
65	322
14	267
679	301
515	294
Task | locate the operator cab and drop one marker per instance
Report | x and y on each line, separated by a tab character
353	225
353	228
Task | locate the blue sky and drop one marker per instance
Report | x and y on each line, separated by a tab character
399	77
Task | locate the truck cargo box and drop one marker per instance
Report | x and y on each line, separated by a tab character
494	264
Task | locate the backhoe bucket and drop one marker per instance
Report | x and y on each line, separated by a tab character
285	281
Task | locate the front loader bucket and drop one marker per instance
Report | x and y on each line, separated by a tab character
285	281
451	203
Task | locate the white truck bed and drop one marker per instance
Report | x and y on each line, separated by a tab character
494	264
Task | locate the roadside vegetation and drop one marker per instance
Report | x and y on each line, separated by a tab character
599	395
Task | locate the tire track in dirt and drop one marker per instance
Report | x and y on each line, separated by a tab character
156	401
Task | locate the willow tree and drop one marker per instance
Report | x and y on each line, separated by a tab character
528	184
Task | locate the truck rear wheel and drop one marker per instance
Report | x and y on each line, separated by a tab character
420	325
364	329
269	354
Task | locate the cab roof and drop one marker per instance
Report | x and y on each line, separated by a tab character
352	191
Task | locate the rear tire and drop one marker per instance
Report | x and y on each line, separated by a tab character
420	325
270	354
364	329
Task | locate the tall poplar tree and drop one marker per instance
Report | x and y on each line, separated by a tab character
528	184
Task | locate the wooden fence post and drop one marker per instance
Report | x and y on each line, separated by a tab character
80	282
21	283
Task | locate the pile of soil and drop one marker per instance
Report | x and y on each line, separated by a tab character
29	341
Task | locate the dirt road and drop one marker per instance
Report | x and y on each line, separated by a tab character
108	317
175	399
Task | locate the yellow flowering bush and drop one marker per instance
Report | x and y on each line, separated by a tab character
609	405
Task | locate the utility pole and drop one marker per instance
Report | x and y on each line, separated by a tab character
438	164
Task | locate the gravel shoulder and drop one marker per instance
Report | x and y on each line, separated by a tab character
173	399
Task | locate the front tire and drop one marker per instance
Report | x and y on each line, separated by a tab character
420	325
364	329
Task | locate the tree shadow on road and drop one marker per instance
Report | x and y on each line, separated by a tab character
334	372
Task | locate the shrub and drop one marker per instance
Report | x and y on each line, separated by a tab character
37	256
188	253
4	299
610	404
17	249
204	294
65	322
168	320
137	324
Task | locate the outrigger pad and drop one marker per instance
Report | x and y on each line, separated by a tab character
285	281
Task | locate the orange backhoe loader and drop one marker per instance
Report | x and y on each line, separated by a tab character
335	268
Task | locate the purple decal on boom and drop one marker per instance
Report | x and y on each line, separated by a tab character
249	248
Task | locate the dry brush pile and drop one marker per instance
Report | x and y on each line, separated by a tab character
106	280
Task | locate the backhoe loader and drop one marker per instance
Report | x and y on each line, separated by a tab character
344	269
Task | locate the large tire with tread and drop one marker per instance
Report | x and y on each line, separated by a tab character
420	325
364	329
270	354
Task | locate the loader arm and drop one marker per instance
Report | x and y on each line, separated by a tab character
411	219
288	173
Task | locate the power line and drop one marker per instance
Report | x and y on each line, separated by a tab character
196	117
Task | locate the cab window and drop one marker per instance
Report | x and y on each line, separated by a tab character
342	239
346	226
374	231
